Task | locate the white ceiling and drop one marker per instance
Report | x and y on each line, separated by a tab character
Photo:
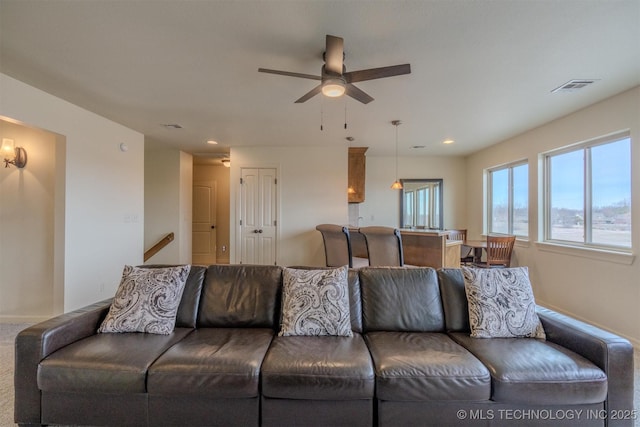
482	70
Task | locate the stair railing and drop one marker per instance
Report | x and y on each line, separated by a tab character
158	246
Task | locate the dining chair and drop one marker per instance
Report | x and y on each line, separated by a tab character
499	250
384	245
466	252
337	245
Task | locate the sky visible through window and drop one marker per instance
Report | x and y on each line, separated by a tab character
611	171
610	188
501	212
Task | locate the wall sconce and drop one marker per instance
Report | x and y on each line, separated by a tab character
16	156
226	163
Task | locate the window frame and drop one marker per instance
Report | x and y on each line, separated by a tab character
585	146
510	208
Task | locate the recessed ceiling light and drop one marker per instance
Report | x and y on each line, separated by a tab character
212	142
448	141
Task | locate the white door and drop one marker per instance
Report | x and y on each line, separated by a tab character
258	216
204	222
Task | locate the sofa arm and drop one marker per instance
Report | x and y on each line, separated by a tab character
611	353
37	342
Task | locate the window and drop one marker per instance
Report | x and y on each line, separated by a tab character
588	193
508	207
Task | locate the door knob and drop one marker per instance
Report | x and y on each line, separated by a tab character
213	226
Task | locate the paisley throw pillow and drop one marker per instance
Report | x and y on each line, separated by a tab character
501	303
147	300
315	302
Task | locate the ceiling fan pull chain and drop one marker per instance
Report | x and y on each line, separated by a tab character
345	113
321	114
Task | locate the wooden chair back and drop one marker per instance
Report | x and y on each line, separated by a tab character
384	245
337	245
466	253
457	234
499	250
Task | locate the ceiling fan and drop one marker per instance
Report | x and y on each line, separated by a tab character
335	81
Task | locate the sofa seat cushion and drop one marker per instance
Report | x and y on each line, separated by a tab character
108	363
417	366
532	371
318	368
213	362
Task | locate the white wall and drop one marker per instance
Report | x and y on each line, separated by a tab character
382	204
104	190
602	290
312	187
168	179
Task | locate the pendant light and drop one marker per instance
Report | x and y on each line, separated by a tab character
397	185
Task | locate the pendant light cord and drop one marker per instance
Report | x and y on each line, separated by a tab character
397	124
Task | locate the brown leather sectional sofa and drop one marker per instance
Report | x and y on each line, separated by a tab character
410	362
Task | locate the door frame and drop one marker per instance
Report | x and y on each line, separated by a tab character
235	188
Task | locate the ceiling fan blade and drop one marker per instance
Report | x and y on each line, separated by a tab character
290	74
334	54
313	92
357	94
377	73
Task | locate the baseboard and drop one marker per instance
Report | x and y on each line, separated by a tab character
22	319
634	342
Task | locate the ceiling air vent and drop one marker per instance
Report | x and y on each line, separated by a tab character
574	85
172	126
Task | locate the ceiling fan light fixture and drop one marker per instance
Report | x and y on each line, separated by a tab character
333	87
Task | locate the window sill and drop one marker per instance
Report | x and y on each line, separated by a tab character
617	257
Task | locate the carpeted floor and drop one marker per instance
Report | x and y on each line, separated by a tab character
8	332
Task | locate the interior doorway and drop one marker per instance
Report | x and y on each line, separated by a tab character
211	170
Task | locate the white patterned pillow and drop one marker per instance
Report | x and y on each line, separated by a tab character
501	303
147	300
315	302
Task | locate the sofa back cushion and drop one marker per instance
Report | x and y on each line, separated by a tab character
241	296
188	308
454	299
401	299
